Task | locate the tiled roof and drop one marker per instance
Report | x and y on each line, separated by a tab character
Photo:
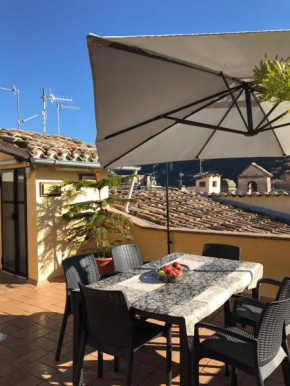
187	210
258	167
27	144
205	174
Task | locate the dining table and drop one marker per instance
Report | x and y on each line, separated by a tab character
208	285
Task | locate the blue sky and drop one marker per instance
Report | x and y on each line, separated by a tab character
43	44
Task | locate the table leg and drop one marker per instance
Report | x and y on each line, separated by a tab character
77	328
185	357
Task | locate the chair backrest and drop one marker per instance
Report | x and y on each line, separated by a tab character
107	316
81	268
269	330
126	257
222	251
284	293
284	289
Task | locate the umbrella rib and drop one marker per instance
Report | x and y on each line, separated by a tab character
220	122
237	106
221	93
148	139
272	121
204	125
266	117
142	52
209	103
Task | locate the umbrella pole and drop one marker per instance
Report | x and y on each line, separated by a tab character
167	210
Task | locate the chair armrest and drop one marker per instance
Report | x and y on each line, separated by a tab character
106	275
221	330
245	300
69	290
256	294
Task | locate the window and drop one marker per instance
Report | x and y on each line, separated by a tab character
87	177
202	184
214	184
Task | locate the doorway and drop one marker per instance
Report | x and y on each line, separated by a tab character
14	222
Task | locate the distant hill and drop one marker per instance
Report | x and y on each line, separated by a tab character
229	168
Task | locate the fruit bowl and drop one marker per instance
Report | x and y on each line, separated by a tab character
171	274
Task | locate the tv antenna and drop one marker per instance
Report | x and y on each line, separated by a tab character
60	106
22	121
53	99
180	178
200	166
16	92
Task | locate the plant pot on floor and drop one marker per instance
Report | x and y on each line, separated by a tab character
105	264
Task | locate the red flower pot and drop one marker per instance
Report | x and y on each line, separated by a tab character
105	264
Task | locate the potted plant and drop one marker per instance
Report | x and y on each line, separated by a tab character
93	221
272	80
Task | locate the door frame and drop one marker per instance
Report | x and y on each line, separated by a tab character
15	203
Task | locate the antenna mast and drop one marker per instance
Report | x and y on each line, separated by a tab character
59	107
16	92
52	98
21	121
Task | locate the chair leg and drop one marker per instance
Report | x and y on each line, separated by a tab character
168	357
195	370
286	347
79	366
100	364
227	370
286	371
61	334
260	380
116	364
234	378
130	368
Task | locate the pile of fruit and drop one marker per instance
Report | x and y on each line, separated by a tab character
176	269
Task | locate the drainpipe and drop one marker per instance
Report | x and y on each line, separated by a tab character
126	209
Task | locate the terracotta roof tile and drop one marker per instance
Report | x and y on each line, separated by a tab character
198	212
38	145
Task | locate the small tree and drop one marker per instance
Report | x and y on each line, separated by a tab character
91	220
272	80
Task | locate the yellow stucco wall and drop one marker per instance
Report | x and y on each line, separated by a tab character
279	203
52	244
46	237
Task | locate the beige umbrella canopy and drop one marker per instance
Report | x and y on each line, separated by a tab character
184	97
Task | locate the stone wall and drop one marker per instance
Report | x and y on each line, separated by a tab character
253	174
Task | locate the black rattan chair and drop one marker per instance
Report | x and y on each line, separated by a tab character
83	269
258	353
248	314
115	331
222	251
126	257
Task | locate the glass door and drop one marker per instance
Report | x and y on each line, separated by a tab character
14	224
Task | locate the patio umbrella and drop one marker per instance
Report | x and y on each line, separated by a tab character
184	97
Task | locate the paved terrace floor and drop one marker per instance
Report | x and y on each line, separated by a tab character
31	317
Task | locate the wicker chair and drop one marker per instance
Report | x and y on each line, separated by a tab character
223	251
126	257
81	268
248	315
115	331
258	353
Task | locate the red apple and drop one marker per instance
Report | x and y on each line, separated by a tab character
176	264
